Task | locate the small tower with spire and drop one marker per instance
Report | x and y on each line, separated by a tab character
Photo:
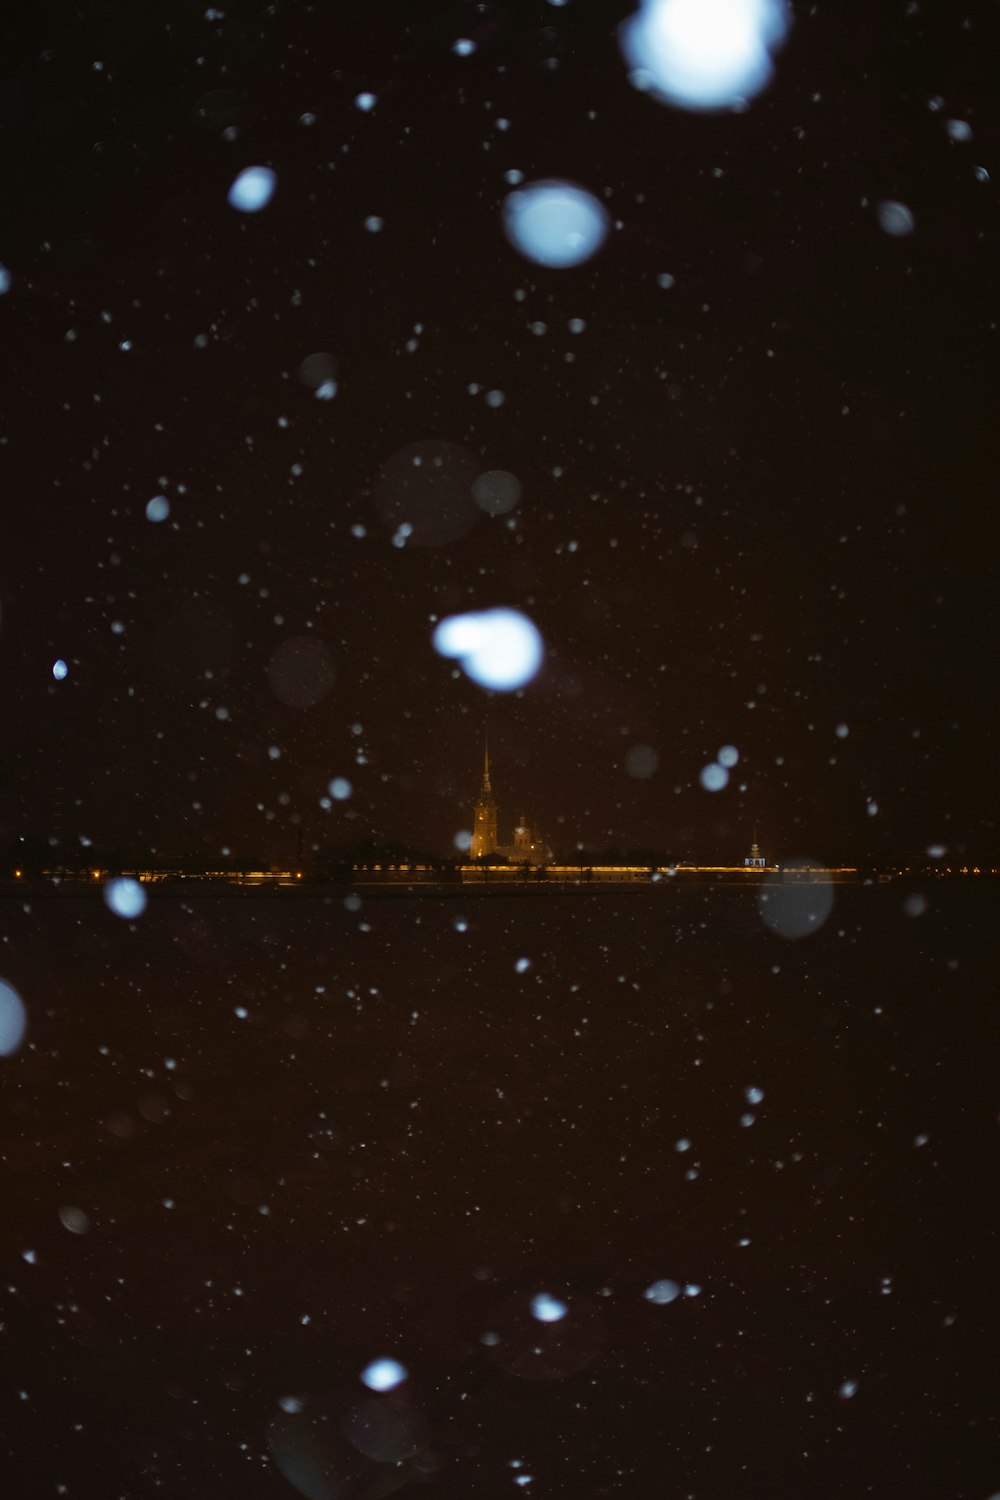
755	860
484	821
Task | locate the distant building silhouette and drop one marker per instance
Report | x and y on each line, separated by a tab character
527	848
484	822
755	860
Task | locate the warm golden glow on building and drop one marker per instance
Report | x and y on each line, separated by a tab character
484	821
527	848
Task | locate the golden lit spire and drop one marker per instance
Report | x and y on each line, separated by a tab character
484	818
487	789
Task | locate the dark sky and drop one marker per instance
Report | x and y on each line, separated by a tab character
778	474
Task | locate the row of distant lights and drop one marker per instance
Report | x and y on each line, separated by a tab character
782	908
501	649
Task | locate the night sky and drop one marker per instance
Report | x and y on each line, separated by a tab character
756	504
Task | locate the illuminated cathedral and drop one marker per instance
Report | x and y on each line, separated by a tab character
527	848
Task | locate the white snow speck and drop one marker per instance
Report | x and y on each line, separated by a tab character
125	897
383	1374
555	223
499	648
74	1219
895	218
253	189
496	491
547	1309
703	54
662	1292
13	1019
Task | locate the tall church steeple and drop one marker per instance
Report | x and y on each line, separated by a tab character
484	822
487	789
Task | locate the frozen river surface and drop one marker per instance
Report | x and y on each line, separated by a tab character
250	1146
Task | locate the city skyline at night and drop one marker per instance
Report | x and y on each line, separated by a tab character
713	465
603	1108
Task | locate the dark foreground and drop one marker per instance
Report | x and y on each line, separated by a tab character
297	1137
